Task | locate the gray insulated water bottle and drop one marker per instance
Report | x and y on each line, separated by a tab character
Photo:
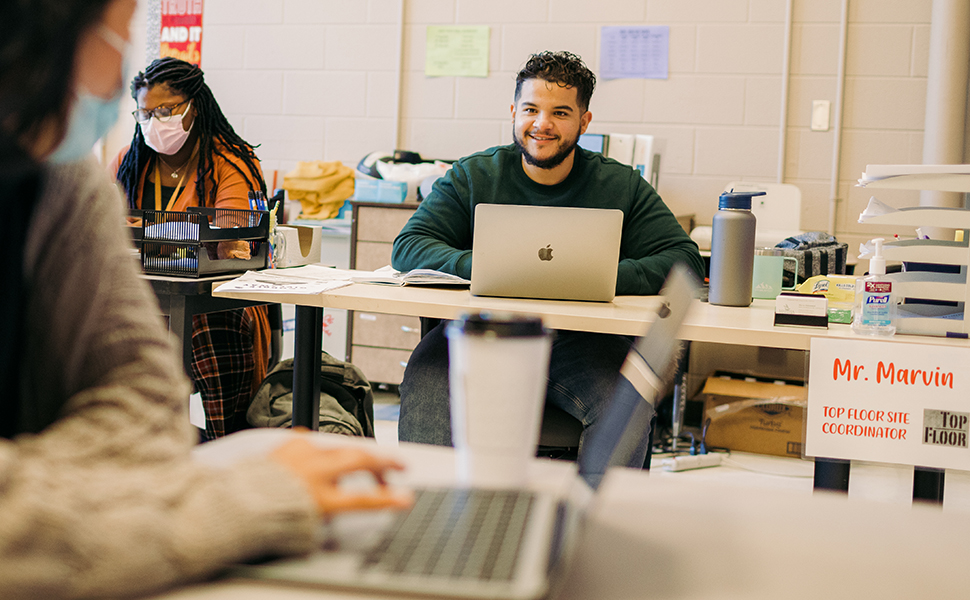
732	250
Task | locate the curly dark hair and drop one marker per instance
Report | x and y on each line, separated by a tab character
187	80
562	68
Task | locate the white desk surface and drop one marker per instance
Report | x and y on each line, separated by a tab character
674	536
626	315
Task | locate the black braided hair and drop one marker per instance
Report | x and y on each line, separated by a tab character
186	79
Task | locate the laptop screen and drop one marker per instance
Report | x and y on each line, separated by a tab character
595	142
641	381
549	252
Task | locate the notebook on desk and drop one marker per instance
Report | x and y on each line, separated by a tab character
507	544
548	252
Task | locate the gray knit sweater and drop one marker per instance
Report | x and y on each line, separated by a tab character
107	500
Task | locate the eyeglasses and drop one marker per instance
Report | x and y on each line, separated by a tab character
162	113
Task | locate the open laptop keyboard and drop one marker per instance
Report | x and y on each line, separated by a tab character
456	534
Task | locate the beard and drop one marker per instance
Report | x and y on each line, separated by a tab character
566	147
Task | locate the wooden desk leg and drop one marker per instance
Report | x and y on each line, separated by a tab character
832	474
308	343
928	485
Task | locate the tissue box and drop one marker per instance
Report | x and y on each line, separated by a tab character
300	245
752	415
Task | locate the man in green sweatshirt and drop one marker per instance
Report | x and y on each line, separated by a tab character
544	167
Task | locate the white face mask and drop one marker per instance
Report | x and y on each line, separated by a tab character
166	137
91	116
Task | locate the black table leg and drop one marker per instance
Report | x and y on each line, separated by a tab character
680	396
308	343
179	314
928	485
832	474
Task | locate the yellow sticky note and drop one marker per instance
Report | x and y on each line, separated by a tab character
456	50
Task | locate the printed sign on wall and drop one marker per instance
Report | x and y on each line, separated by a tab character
889	402
634	52
456	50
181	34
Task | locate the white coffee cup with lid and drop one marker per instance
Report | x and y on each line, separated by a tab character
498	372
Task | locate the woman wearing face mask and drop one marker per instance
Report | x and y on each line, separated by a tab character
185	153
99	493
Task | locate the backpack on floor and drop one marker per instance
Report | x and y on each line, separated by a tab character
346	399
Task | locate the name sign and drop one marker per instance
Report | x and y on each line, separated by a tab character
888	402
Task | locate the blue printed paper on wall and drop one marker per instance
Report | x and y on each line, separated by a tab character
639	52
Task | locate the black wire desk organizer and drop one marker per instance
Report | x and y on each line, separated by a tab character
185	244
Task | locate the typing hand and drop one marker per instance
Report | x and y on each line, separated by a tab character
322	469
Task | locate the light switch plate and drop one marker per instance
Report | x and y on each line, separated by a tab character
820	115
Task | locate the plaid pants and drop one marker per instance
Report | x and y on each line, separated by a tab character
224	366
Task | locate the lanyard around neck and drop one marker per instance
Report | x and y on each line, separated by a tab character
158	183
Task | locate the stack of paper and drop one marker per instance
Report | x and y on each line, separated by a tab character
943	178
880	213
316	279
311	279
388	276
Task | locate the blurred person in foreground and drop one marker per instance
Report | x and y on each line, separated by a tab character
99	493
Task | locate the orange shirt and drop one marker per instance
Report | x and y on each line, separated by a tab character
232	188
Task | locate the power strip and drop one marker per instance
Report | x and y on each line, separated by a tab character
686	463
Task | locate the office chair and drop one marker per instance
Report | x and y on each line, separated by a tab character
778	213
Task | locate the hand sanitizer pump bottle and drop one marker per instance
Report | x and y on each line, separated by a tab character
875	306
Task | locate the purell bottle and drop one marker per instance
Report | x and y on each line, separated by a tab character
875	307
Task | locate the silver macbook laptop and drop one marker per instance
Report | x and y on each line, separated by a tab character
506	544
548	252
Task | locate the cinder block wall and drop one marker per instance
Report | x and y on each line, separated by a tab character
317	79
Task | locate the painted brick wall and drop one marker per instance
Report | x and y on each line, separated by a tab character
316	79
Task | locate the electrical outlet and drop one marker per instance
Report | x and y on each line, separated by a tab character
820	115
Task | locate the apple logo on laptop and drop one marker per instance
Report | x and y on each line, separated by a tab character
545	253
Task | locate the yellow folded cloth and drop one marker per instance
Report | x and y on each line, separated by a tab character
321	187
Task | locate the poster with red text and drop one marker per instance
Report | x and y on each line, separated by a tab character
181	34
890	402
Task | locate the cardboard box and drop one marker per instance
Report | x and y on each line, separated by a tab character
752	415
301	245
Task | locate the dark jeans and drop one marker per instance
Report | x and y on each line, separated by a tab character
583	372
